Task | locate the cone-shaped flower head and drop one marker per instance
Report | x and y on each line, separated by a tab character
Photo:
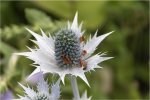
67	52
42	92
67	49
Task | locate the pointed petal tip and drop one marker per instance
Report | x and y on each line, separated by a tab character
99	67
29	48
75	22
63	82
89	85
109	33
62	78
95	33
20	54
41	31
85	80
17	53
19	83
96	30
32	32
76	14
22	85
106	58
76	17
69	25
102	37
109	58
27	29
80	26
43	34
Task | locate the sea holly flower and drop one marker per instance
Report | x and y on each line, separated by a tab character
6	96
34	78
42	92
67	52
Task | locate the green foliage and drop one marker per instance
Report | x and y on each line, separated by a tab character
123	77
34	17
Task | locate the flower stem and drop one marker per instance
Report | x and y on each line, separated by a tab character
74	86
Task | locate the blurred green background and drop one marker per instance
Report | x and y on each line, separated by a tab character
126	76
